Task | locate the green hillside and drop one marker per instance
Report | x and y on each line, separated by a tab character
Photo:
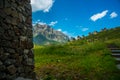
113	33
108	36
85	59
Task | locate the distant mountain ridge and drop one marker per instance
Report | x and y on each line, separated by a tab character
44	34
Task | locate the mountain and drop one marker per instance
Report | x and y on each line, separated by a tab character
44	34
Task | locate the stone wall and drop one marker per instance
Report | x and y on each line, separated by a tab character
16	54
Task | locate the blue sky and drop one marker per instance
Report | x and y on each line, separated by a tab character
76	17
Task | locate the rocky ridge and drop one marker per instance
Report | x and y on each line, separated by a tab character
47	35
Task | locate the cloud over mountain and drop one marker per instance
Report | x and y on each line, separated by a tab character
59	30
53	23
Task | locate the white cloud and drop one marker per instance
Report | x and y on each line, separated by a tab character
39	22
59	30
43	5
85	29
53	23
42	23
98	15
113	15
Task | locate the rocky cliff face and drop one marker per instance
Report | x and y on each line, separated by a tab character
16	54
45	34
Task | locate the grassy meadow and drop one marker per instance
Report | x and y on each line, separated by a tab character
79	59
90	61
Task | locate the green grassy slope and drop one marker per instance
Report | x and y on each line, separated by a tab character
110	35
78	60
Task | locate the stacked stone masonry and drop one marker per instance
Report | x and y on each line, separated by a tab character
16	54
